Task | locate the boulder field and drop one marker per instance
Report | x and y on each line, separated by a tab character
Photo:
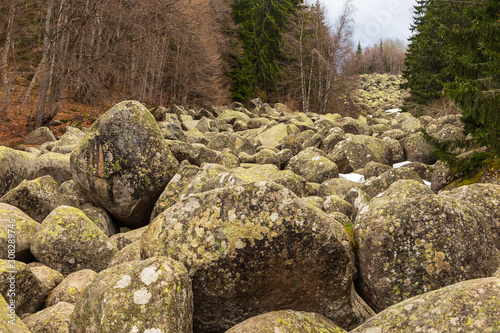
234	220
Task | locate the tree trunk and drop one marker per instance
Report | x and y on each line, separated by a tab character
4	62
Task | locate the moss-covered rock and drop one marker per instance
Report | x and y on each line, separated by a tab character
411	125
49	277
128	253
231	116
228	159
336	186
17	231
397	150
374	169
15	166
194	153
275	136
417	149
287	321
335	203
71	195
485	198
313	166
69	241
68	141
40	136
361	149
468	306
55	165
411	246
229	237
54	319
381	183
37	197
235	142
123	163
149	296
9	322
18	283
71	288
267	156
334	136
101	219
123	239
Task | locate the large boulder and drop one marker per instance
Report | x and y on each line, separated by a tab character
229	237
9	322
409	246
17	231
236	143
15	166
39	136
69	241
287	321
55	165
379	184
37	197
49	277
313	165
149	296
468	306
71	288
276	135
54	319
417	149
361	149
194	153
123	163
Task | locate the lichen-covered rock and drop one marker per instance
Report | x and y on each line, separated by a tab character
400	190
55	165
194	153
356	127
374	169
123	239
101	219
336	186
54	319
149	296
37	197
357	198
468	306
123	163
68	141
361	149
287	321
128	253
423	170
287	178
334	136
267	156
258	122
397	151
313	166
441	176
228	159
485	198
417	149
379	184
276	135
9	322
411	125
229	237
411	246
231	116
15	166
18	283
39	136
235	142
71	288
335	203
69	241
17	231
49	277
395	134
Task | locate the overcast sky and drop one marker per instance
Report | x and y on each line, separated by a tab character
375	19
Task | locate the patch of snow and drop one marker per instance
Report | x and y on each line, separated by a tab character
396	110
142	296
401	164
353	177
153	330
149	275
427	183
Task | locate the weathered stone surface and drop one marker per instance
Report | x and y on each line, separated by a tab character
417	150
335	203
24	287
397	151
9	322
101	219
194	153
423	170
123	163
40	136
334	136
228	159
336	186
68	141
17	231
468	306
49	277
128	253
123	239
374	169
235	142
37	197
418	244
395	134
69	241
361	149
441	176
287	178
54	319
70	195
357	198
230	116
485	198
55	165
411	125
379	184
287	321
229	237
313	166
267	156
149	296
275	136
71	288
15	166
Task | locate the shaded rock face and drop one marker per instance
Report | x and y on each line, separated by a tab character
40	136
469	306
15	166
419	244
361	149
287	321
228	239
123	163
71	288
149	296
54	319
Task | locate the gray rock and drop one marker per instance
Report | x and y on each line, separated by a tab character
313	166
149	296
229	237
275	136
70	195
9	322
361	149
54	319
417	149
335	203
233	141
69	241
55	165
71	288
123	163
379	184
195	153
228	159
40	136
122	239
336	186
126	254
101	219
49	277
15	166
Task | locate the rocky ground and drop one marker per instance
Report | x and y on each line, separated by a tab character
380	92
235	220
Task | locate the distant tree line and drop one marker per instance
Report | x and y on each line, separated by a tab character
387	56
162	52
